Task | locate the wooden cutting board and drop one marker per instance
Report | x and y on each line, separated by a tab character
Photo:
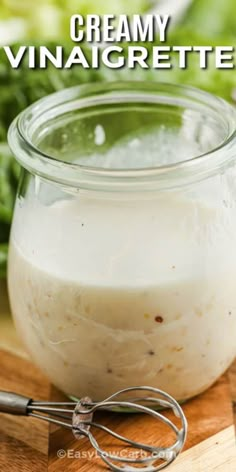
28	445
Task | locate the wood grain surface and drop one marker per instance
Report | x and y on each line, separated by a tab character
23	442
232	380
28	445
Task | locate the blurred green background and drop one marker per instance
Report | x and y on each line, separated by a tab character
194	22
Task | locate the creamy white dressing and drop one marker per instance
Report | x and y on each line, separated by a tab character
109	293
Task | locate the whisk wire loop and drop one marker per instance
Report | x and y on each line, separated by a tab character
78	416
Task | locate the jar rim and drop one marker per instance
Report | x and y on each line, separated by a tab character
99	178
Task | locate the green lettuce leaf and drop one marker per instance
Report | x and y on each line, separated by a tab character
213	17
3	259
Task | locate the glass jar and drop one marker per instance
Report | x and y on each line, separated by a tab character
122	263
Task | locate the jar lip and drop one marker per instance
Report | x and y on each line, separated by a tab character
165	176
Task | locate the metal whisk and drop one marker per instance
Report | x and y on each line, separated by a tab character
78	416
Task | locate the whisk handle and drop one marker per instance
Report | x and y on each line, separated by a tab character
14	404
